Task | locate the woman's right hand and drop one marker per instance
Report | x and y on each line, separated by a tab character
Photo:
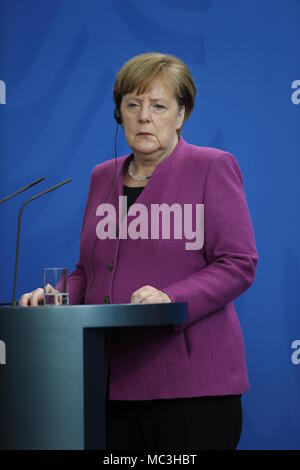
34	298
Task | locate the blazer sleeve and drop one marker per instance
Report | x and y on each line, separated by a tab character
77	279
229	245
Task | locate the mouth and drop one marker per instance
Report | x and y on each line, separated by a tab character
144	133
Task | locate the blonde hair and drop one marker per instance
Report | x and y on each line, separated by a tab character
142	70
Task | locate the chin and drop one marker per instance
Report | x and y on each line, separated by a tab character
146	148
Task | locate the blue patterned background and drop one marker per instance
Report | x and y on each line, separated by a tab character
59	58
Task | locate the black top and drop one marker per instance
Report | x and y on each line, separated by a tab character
132	194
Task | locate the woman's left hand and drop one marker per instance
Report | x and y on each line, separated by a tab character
149	295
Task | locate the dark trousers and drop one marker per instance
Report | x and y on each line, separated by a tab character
198	423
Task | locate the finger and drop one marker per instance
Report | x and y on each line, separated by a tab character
140	294
140	297
152	299
24	300
158	297
49	289
37	297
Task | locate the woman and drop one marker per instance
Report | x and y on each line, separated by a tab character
174	387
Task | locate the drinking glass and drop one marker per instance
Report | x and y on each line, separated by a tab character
56	286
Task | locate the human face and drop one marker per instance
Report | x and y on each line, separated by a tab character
156	113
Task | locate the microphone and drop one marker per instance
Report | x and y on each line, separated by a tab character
6	198
19	229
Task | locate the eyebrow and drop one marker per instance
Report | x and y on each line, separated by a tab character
151	99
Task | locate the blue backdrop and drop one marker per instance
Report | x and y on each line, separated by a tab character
58	60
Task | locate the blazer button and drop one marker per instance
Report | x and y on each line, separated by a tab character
106	299
117	233
110	266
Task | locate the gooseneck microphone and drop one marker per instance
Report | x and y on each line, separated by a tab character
19	229
6	198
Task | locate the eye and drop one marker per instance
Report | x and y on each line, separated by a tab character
159	106
132	105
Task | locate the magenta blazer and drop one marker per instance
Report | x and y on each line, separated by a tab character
205	356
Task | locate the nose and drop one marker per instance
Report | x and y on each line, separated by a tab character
144	113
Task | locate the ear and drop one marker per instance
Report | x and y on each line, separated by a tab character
180	117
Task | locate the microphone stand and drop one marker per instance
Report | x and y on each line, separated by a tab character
19	230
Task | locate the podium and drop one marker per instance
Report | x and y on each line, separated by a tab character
52	371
